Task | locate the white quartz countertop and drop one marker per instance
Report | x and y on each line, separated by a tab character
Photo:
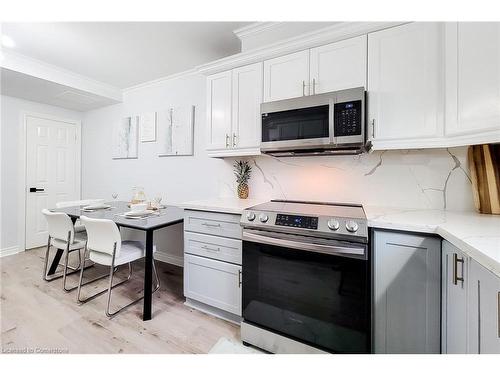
475	234
225	205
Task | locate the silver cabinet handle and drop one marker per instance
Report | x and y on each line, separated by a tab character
205	247
314	86
457	260
234	139
373	129
239	278
211	225
227	140
498	313
303	88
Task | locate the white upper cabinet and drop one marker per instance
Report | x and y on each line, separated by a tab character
406	84
219	110
473	79
233	111
286	76
247	97
338	66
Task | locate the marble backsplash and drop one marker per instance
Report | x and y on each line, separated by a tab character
431	178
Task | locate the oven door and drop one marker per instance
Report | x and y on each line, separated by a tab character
320	298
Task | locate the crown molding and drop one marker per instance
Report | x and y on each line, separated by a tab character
330	34
39	69
160	81
255	28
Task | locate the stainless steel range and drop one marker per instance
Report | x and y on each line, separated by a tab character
306	277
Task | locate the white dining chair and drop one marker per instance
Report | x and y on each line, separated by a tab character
82	202
62	236
105	247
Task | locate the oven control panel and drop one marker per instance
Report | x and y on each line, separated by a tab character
307	222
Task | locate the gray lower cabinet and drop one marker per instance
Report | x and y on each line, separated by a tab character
407	296
454	283
214	283
484	311
212	262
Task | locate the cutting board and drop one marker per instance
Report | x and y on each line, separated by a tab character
484	165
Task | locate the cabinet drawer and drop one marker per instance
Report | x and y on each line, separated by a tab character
214	223
226	249
213	282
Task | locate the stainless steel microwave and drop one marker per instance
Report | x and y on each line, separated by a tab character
329	123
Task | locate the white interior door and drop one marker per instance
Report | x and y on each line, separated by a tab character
52	168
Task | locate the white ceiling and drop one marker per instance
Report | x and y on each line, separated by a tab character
27	87
124	54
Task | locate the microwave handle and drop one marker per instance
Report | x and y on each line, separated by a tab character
305	246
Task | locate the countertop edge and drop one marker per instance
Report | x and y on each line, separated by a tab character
484	260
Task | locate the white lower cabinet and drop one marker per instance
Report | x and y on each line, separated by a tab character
406	293
212	262
454	282
212	282
484	311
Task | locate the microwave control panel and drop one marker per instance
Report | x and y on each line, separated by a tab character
347	118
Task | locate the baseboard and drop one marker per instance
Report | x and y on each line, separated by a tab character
230	317
167	258
6	251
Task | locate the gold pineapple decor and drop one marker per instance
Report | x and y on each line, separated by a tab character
242	171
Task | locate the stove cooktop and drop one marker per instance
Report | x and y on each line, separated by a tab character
317	219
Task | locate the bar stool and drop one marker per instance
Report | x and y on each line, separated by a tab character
105	247
62	236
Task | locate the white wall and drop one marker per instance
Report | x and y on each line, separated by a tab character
418	178
12	110
176	179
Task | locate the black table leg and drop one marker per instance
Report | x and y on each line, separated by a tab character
55	262
57	257
148	277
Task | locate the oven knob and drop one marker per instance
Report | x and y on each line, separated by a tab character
250	216
351	226
333	224
263	218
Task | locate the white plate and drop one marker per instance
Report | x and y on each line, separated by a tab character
97	206
138	213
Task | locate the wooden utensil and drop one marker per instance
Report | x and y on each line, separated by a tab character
484	165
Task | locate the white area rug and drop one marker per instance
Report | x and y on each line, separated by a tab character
226	346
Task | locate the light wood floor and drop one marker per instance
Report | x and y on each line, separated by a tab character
36	314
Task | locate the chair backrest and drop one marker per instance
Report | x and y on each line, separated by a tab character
102	234
59	225
83	202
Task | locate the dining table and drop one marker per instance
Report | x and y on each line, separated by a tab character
161	218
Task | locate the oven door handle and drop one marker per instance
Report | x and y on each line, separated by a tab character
312	247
